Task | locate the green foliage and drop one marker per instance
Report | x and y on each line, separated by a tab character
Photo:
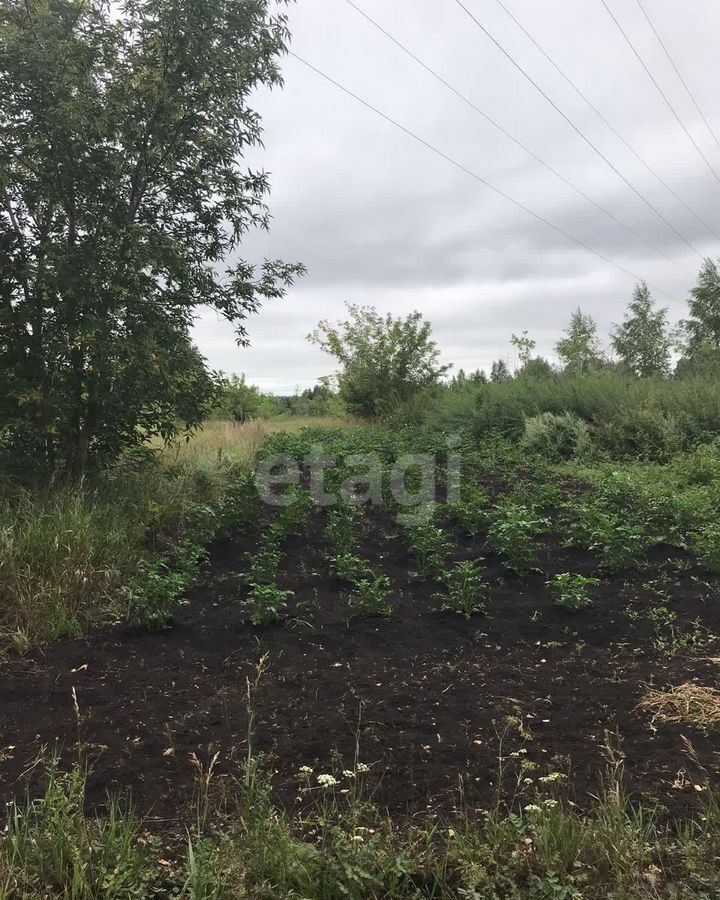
158	587
579	350
702	327
349	567
122	198
571	590
499	372
640	434
706	544
620	545
465	589
344	846
384	360
239	401
642	341
471	511
266	602
680	413
264	563
51	848
554	437
513	535
341	528
430	547
295	513
670	638
371	597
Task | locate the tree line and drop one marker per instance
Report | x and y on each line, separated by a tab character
385	361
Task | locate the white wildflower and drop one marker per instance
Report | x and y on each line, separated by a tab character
326	781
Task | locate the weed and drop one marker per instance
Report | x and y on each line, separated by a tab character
670	639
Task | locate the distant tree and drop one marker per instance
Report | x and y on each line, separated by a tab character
642	341
701	330
478	376
122	199
580	350
319	400
499	372
238	401
524	346
703	362
384	361
536	367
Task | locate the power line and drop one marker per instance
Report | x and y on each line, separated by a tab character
577	130
661	92
603	118
474	175
678	72
506	133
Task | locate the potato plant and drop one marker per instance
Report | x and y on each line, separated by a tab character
349	567
513	535
295	514
266	602
465	589
264	563
471	512
706	545
570	590
430	546
341	529
620	545
371	597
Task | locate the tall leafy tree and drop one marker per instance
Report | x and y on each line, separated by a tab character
499	372
642	341
384	360
122	197
579	350
702	327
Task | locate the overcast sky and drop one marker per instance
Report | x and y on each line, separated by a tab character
380	219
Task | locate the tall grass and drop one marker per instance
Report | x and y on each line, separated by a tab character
344	846
68	554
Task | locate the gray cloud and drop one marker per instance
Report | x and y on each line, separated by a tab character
380	219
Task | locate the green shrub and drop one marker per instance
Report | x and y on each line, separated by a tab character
554	437
640	434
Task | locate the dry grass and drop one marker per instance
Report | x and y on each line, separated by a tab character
238	443
690	703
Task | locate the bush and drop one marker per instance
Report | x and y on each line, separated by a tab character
640	434
554	437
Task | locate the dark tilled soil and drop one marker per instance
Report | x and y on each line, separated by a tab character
425	695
